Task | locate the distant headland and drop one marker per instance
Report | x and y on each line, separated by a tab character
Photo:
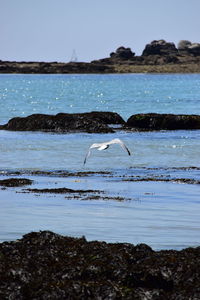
157	57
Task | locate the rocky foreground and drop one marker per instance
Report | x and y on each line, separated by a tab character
45	265
101	122
158	57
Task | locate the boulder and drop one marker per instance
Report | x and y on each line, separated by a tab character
153	121
184	44
194	49
186	47
122	53
160	47
93	122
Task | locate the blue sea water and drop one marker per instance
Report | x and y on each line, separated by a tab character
163	214
126	94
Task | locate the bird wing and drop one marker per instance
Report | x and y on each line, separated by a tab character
87	155
118	141
95	145
103	147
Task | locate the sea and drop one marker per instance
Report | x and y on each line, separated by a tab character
151	197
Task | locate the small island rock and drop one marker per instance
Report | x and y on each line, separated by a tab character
153	121
93	122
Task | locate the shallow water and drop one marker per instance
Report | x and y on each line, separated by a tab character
67	151
164	214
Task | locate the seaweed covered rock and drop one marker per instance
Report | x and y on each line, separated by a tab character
14	182
45	265
89	122
153	121
106	116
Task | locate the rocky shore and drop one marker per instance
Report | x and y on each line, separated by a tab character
101	122
45	265
157	57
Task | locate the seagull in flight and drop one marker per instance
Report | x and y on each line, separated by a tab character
104	146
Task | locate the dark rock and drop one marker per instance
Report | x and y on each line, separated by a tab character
122	53
153	121
160	59
53	67
62	191
184	44
160	47
161	179
14	182
89	122
156	54
186	47
106	117
194	49
45	265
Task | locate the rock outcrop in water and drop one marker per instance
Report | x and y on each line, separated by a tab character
15	182
45	265
101	122
93	122
153	121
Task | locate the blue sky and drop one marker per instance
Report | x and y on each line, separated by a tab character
49	30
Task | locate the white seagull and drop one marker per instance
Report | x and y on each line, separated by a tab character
104	146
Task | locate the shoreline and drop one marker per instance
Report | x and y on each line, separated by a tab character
158	57
96	68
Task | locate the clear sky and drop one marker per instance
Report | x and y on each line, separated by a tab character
49	30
